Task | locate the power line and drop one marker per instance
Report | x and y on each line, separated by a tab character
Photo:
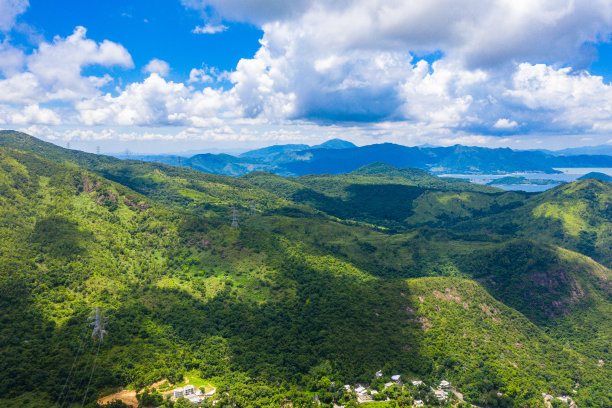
98	332
62	395
91	374
76	389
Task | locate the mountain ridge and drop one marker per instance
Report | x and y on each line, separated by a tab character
328	278
454	159
297	160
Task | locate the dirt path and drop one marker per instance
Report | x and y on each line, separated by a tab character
125	396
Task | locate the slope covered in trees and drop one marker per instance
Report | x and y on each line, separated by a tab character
454	283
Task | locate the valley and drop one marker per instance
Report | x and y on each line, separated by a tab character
326	280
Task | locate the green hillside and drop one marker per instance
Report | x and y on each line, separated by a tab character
575	216
387	196
320	285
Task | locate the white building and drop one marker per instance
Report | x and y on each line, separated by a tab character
360	390
178	393
416	383
378	374
441	395
444	384
396	377
188	390
418	403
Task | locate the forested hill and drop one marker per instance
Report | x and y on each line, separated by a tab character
326	280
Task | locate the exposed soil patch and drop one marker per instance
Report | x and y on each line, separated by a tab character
125	396
452	296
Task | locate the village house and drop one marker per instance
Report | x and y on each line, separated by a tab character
396	377
361	390
444	384
416	383
378	374
441	395
188	390
418	403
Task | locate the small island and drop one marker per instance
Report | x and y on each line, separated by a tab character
597	175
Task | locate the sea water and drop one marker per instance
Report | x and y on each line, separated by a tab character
567	175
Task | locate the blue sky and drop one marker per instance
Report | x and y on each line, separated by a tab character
147	29
166	76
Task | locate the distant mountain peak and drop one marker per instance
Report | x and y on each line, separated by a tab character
335	144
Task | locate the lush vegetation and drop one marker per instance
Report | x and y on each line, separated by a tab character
332	279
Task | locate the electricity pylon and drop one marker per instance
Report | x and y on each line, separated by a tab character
98	323
234	218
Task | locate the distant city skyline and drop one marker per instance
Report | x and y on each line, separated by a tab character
168	76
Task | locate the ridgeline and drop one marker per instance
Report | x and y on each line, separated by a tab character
327	279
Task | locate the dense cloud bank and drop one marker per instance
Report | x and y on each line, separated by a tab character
471	69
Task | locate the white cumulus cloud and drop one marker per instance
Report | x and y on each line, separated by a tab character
562	98
156	101
199	75
31	114
9	10
12	59
54	70
481	32
505	124
354	61
157	66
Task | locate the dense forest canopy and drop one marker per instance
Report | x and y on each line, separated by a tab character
326	280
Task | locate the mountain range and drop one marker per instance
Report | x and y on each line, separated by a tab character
338	156
325	280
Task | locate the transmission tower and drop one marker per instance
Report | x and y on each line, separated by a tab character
98	323
67	145
98	150
234	218
252	212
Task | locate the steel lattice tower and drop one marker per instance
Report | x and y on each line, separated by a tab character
98	323
234	218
